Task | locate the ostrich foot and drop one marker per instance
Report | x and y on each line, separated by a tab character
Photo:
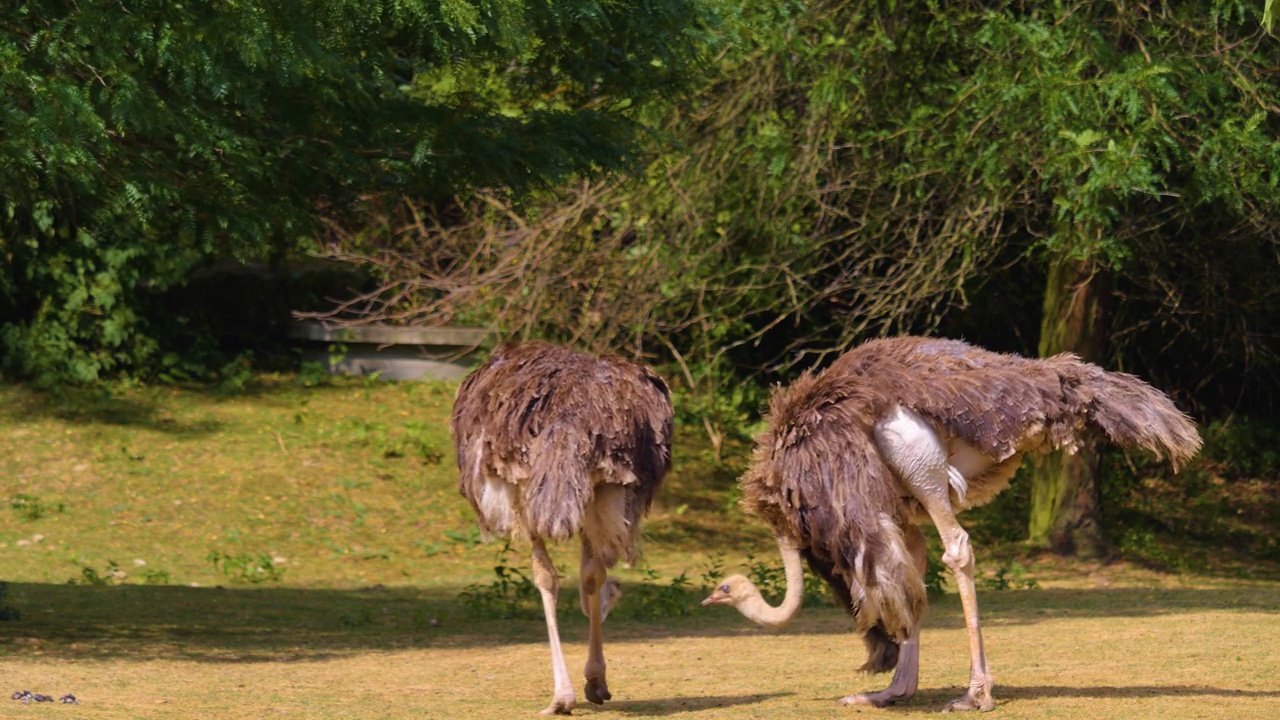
882	698
978	698
597	691
561	705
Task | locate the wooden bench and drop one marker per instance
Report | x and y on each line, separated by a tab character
394	352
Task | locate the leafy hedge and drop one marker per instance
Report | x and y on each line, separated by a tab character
139	140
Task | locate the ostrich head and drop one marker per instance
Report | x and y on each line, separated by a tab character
733	590
743	595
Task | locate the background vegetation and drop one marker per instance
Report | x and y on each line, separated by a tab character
143	142
731	191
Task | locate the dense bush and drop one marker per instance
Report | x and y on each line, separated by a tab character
138	143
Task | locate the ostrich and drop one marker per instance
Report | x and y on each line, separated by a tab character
554	443
902	431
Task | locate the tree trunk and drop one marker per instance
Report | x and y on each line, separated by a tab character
1066	497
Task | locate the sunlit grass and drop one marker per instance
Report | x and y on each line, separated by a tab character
302	551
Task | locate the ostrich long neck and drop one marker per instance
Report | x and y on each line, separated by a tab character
757	610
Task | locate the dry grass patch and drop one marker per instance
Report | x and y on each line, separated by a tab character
1067	653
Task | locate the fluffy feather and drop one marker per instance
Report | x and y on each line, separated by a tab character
818	478
551	425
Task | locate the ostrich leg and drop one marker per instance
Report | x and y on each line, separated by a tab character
593	579
548	583
959	558
907	674
914	450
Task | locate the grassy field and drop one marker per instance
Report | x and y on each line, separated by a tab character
291	551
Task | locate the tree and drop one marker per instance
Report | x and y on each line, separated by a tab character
1133	124
777	220
142	139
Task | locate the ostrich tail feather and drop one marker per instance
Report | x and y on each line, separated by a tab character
1132	413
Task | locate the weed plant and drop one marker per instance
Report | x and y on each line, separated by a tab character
509	596
90	575
654	600
31	508
1009	576
246	567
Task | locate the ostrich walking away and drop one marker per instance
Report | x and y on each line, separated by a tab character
909	430
554	443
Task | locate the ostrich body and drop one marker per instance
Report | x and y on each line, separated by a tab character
554	443
903	431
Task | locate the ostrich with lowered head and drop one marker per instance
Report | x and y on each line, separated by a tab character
907	430
554	443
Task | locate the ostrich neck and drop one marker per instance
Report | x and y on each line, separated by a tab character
757	610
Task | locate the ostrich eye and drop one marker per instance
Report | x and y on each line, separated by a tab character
724	588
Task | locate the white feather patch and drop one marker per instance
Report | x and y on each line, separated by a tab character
497	505
958	484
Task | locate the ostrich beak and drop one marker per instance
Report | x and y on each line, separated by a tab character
717	598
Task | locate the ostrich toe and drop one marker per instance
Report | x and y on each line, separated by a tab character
976	699
597	691
560	706
880	699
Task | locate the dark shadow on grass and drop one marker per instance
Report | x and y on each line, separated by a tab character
261	624
939	697
80	406
1026	607
672	706
1111	692
99	406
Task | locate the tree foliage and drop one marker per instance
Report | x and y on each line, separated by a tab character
850	169
142	138
775	222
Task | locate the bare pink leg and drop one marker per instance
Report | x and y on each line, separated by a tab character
916	452
959	558
548	584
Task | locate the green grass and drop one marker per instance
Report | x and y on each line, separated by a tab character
302	551
343	485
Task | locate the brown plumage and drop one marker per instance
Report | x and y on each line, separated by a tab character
554	443
908	430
